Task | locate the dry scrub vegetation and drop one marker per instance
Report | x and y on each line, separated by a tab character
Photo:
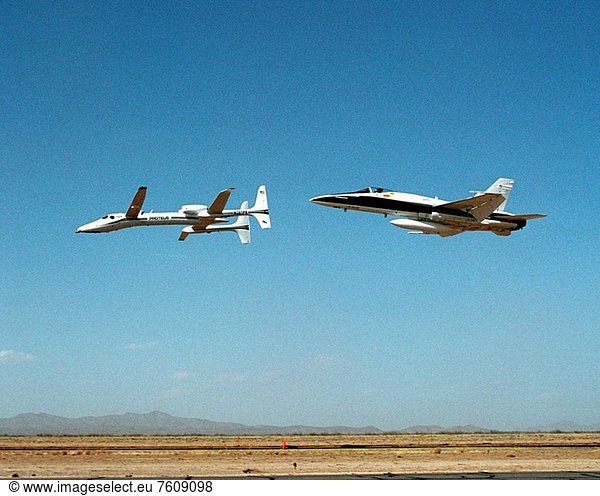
236	456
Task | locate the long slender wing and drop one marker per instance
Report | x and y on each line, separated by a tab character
219	203
200	226
518	216
480	206
136	204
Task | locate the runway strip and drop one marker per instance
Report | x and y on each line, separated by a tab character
298	447
441	476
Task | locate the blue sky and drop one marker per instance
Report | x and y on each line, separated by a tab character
329	317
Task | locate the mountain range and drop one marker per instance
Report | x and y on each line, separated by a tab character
152	423
163	423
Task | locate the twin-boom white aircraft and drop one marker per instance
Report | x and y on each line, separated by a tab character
198	218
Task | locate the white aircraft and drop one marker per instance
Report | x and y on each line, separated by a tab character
198	218
424	215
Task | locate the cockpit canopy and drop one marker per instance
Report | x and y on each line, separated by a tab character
113	216
372	189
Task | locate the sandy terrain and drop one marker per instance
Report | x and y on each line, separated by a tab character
211	456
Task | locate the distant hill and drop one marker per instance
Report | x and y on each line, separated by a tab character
31	424
436	429
152	423
566	426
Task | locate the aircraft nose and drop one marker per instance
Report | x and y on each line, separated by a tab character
323	199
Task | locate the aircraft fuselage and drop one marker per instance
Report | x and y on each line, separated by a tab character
117	221
421	213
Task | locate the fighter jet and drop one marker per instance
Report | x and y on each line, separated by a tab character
198	218
485	211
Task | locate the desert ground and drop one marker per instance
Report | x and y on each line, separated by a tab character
84	457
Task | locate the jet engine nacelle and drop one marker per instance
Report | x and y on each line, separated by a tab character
192	209
417	225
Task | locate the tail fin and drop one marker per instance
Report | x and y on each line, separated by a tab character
242	226
260	210
503	186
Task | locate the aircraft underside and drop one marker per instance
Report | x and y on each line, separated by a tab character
424	225
426	219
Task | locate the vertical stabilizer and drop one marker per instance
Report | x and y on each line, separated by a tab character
242	226
503	186
260	210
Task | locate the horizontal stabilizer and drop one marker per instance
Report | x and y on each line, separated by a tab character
509	217
480	206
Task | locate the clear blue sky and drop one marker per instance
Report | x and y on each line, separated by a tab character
329	317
